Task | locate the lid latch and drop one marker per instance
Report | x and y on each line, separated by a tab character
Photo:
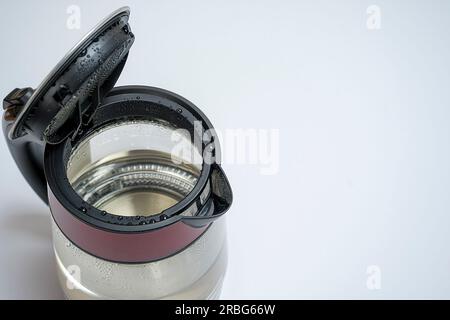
15	101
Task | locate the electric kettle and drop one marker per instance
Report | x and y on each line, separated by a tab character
131	175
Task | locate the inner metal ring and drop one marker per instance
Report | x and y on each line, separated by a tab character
126	169
135	183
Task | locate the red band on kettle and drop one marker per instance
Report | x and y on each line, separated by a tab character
137	247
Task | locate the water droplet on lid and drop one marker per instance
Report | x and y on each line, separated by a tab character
83	209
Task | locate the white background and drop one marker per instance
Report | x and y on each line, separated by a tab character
362	115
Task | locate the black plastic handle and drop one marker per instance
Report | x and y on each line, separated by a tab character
29	157
27	153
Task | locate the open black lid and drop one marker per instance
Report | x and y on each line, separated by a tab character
69	95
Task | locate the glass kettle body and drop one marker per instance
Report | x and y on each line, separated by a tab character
131	175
